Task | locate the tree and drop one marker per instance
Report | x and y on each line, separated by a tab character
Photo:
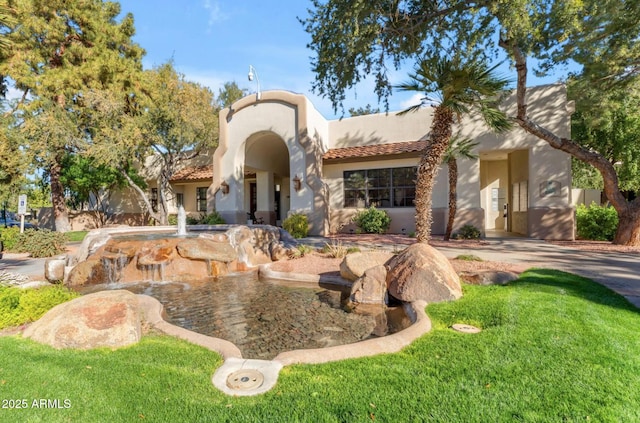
362	111
229	94
356	40
461	87
609	123
171	123
60	50
459	148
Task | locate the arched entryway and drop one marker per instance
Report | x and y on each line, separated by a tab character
266	178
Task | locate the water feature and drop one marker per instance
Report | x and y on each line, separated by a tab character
266	317
182	221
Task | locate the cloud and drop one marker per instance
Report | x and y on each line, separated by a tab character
416	98
215	13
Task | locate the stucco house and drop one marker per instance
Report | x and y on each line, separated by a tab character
278	155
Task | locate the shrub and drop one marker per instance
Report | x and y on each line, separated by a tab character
372	220
335	249
468	257
41	243
301	250
205	219
9	237
297	225
596	222
19	306
469	232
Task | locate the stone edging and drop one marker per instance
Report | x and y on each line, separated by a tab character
152	311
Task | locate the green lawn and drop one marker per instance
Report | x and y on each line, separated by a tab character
76	236
554	348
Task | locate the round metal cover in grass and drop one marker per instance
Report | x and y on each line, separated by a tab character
245	379
461	327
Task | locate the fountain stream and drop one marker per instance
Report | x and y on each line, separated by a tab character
182	221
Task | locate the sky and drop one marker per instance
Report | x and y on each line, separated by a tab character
214	41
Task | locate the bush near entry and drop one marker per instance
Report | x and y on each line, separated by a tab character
598	223
297	225
372	220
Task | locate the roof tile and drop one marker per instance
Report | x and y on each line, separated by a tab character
375	150
194	173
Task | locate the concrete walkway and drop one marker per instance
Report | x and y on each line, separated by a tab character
619	272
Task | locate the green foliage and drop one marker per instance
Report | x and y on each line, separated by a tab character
75	236
372	220
204	219
301	250
362	111
41	243
468	232
468	257
9	237
19	306
229	94
595	222
297	225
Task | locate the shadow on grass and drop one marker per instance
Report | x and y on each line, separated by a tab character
556	281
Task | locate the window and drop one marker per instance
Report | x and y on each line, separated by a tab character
385	188
154	199
179	200
201	199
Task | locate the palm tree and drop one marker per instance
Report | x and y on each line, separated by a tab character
459	148
459	87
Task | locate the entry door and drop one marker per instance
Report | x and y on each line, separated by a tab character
253	199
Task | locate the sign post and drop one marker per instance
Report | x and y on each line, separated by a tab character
22	210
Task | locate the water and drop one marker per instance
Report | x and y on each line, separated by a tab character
264	317
182	221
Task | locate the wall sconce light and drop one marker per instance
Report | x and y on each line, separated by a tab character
224	187
297	183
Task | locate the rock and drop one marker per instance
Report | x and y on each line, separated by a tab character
158	253
207	249
370	288
489	277
279	251
103	319
421	272
86	273
354	265
215	237
251	252
54	269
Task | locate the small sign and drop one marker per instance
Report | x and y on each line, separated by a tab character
22	205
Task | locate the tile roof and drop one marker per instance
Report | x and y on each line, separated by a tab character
375	150
194	173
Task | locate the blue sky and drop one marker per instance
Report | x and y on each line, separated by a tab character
215	41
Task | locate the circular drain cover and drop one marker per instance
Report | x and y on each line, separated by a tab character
245	379
460	327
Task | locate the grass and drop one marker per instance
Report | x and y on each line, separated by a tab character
554	347
76	236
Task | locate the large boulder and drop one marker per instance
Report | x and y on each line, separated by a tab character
103	319
207	249
87	272
354	265
421	272
369	290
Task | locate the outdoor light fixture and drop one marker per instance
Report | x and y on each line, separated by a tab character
297	183
253	72
224	187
